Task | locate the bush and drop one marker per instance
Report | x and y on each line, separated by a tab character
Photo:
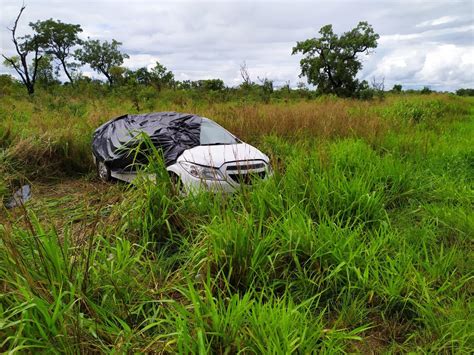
364	91
366	94
416	110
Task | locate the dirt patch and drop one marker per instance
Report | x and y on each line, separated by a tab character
72	205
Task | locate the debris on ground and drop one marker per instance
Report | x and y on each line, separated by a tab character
20	196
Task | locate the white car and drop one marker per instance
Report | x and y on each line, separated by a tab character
221	162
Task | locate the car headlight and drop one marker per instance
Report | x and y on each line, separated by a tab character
202	172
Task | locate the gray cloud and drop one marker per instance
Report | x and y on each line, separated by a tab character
422	42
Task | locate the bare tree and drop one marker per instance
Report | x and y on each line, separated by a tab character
29	44
244	73
379	87
267	84
301	85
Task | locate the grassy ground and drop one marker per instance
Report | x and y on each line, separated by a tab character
361	242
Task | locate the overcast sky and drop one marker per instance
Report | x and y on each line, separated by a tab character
421	42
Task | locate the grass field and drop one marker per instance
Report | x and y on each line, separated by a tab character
362	241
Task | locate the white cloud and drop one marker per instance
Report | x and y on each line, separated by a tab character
89	74
198	39
446	64
438	21
438	66
140	60
429	35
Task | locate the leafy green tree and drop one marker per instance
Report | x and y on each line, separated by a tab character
184	85
331	62
364	91
267	85
118	75
267	89
46	75
101	57
160	76
397	88
23	47
141	76
58	39
210	84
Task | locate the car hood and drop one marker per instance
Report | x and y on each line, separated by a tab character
216	155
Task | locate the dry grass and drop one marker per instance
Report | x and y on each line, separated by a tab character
324	119
54	134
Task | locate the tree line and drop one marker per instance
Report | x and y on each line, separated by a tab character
53	40
330	62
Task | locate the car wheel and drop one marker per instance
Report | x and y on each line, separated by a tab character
177	184
103	171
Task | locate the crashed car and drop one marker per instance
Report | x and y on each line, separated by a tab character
198	153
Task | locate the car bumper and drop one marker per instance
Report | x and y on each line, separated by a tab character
192	184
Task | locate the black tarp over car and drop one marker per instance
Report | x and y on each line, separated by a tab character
170	132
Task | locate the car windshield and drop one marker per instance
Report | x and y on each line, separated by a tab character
213	134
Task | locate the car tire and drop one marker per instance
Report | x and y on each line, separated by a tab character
177	184
103	171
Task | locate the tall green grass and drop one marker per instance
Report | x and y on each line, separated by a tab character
354	245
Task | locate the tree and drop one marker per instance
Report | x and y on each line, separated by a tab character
301	86
331	62
118	75
101	57
267	85
58	39
210	84
378	87
267	88
46	75
160	76
24	46
185	85
426	90
397	88
141	76
244	73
